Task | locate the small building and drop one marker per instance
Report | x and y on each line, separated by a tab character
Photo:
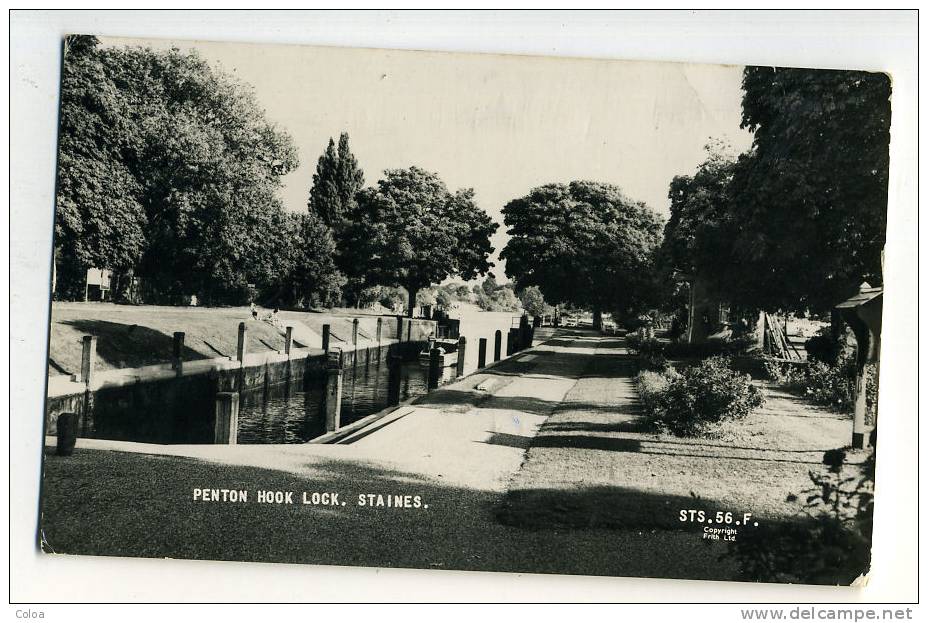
863	312
98	284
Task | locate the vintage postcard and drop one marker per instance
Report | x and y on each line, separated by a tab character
464	311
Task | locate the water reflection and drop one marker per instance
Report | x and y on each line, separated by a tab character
284	415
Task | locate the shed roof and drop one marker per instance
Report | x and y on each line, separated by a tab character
864	296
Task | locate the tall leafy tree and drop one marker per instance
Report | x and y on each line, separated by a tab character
308	276
808	205
333	198
177	163
533	301
100	221
410	231
585	244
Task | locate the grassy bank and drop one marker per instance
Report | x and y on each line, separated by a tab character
134	336
595	464
120	504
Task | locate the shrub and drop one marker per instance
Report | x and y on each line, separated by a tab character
824	384
698	400
650	352
829	544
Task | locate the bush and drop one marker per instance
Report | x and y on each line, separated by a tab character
824	384
829	544
699	400
650	352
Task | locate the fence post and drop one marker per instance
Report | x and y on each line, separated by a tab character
326	330
497	345
354	332
482	353
288	341
242	337
379	331
225	430
462	345
178	362
394	379
859	432
434	367
67	434
333	392
399	328
88	358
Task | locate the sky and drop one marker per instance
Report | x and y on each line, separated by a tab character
499	124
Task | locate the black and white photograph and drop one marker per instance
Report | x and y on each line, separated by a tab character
453	311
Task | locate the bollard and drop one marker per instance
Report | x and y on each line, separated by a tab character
462	346
242	337
88	356
333	392
288	341
497	345
482	353
379	330
394	379
225	428
67	434
434	368
178	350
354	332
326	330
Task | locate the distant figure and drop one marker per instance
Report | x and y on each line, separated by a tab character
254	311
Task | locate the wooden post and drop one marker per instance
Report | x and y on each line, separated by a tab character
434	368
333	392
498	345
462	346
409	330
88	358
859	436
178	362
354	332
67	434
399	328
288	341
379	331
326	330
242	338
394	378
482	353
226	427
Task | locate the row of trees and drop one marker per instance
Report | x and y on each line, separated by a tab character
799	221
169	172
795	224
168	175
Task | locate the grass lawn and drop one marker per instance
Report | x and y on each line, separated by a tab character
133	336
120	504
594	464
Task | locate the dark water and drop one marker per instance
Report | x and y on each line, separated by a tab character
182	411
287	416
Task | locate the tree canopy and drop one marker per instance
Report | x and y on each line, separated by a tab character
808	204
170	169
410	231
583	243
333	198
